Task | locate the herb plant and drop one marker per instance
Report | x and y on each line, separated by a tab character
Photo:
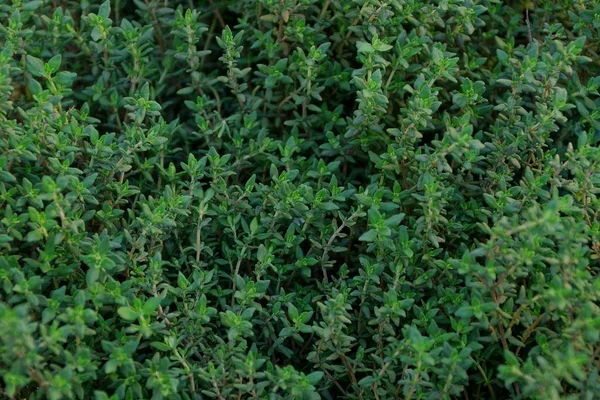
299	199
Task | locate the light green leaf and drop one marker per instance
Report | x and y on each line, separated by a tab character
35	66
127	313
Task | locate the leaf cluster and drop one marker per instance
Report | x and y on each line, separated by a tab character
299	199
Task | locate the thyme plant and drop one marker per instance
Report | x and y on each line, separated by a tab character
299	199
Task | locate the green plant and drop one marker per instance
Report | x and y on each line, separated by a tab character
297	199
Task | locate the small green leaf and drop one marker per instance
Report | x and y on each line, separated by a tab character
160	346
368	236
127	313
394	220
111	366
269	18
364	47
366	381
4	238
314	377
54	63
34	236
35	66
151	305
96	33
104	10
292	311
329	206
92	276
7	177
32	5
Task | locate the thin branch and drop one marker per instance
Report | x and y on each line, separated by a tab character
530	36
487	382
330	243
530	330
217	14
335	382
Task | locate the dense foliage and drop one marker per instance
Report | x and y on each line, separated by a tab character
288	199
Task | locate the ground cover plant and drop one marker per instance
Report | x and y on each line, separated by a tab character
299	199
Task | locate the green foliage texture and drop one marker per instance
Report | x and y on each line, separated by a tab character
299	199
